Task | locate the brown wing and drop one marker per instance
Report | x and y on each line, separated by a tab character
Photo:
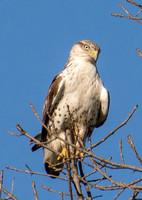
54	95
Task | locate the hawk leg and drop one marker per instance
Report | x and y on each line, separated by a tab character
64	154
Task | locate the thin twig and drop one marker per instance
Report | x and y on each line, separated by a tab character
76	180
135	193
35	192
119	166
136	4
140	54
111	187
69	168
1	182
86	185
121	153
139	12
10	195
129	15
12	186
51	190
133	148
135	182
118	184
112	132
106	176
36	173
118	194
29	169
62	195
123	16
125	10
23	132
70	179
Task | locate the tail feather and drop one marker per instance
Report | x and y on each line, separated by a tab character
52	171
36	146
53	166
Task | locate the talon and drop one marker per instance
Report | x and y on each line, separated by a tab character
63	154
80	154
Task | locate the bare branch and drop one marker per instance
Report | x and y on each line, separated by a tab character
136	4
140	54
85	184
121	153
35	192
119	166
112	132
1	182
135	182
68	162
62	196
123	16
129	15
97	165
133	148
61	193
125	10
36	173
135	193
139	12
76	180
70	179
12	186
118	194
23	132
106	176
9	195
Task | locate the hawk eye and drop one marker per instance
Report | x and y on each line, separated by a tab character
86	47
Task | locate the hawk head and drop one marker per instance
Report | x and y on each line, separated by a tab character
86	50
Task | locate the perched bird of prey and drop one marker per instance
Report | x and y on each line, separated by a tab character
76	95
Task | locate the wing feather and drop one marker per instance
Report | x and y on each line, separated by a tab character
104	107
53	97
55	94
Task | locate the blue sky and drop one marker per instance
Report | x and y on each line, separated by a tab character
35	41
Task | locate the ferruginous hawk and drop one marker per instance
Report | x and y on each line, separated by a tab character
76	95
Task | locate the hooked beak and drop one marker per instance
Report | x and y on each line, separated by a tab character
93	55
